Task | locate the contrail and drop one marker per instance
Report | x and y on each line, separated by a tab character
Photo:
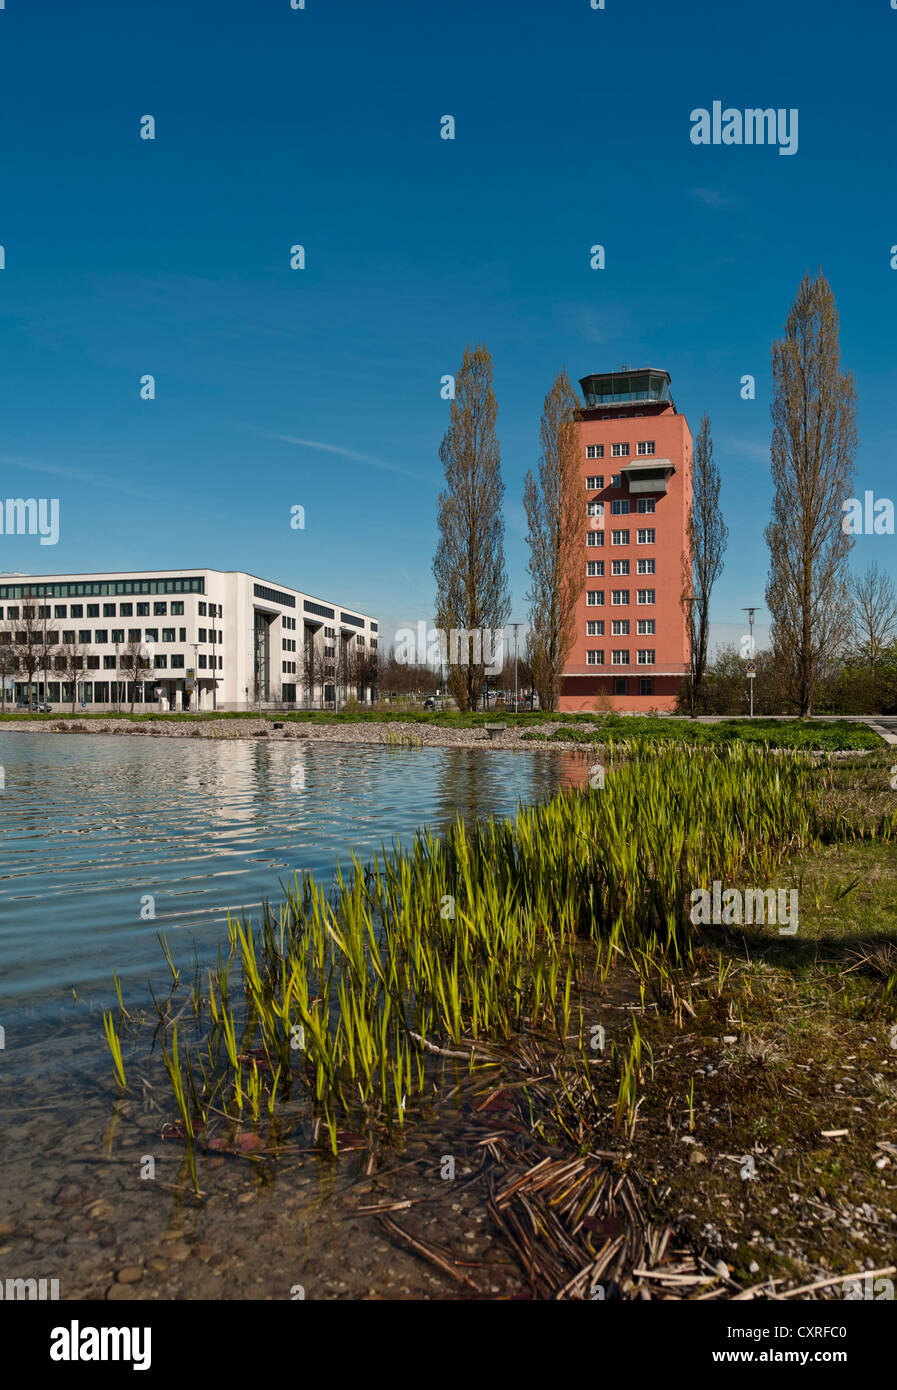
349	454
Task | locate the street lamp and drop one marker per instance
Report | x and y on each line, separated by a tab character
750	612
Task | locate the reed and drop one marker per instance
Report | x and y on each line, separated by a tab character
114	1042
354	994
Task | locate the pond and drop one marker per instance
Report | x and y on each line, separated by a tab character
108	843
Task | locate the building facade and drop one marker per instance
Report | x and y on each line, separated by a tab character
631	651
198	639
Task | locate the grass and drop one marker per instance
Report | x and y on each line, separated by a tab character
830	735
520	938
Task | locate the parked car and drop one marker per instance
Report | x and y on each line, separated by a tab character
430	702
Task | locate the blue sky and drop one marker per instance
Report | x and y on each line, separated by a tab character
322	127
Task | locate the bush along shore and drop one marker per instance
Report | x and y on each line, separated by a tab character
653	1104
417	729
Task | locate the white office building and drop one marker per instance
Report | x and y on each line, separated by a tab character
180	639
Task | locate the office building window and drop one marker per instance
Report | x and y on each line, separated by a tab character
118	634
93	610
620	656
595	538
616	479
594	509
595	657
620	685
178	662
595	569
101	635
108	663
619	451
646	657
647	595
647	627
646	504
160	662
619	537
595	598
619	567
620	507
619	597
126	610
595	628
619	627
646	535
647	566
595	482
646	685
594	451
645	446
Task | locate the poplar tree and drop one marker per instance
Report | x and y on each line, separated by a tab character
469	565
555	514
813	446
706	536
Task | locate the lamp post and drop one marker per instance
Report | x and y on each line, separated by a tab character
750	612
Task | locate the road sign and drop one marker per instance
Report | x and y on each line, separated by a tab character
751	670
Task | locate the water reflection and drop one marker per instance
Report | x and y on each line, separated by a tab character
109	841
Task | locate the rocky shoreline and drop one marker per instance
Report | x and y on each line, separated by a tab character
392	734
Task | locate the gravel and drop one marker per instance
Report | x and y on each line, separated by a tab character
427	735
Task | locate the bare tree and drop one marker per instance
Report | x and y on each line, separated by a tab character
706	539
361	668
71	662
813	445
555	512
33	640
874	612
133	664
9	658
314	668
469	565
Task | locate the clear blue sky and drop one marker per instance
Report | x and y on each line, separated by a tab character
322	127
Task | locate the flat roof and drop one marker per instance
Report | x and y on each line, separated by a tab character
22	577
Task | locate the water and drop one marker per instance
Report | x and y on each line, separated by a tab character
93	827
107	842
